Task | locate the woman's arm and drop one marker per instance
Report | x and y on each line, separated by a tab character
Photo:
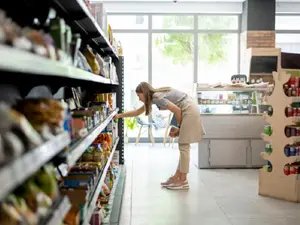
176	110
132	113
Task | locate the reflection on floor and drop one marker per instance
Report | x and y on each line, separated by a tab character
216	197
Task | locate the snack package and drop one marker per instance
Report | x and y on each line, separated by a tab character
37	200
91	59
46	181
9	215
20	205
82	63
88	155
101	65
105	189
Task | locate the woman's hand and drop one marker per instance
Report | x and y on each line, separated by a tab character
174	132
116	117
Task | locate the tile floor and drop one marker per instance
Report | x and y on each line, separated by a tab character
216	197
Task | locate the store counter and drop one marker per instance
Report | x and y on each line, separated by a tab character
231	141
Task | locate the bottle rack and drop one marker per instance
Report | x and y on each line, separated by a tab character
276	183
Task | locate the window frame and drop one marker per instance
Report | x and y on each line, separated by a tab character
195	31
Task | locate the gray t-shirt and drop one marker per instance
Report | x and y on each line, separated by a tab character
161	99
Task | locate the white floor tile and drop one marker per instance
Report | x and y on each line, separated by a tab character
216	197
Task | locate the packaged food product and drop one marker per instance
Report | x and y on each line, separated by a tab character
9	215
57	31
91	59
105	189
88	155
20	205
17	134
101	65
82	63
75	45
43	112
36	199
46	180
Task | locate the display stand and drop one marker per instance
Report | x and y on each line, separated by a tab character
276	183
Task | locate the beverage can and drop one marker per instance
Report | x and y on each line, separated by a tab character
295	111
292	151
287	151
286	170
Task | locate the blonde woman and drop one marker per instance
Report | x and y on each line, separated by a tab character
190	129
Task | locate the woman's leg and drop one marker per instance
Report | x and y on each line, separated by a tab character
184	161
182	170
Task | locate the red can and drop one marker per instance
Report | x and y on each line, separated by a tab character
293	170
298	111
295	112
298	91
286	170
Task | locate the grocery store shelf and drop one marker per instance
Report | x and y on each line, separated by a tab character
26	62
116	197
92	203
233	89
59	213
76	152
17	171
87	25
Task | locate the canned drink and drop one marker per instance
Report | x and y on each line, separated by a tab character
296	82
292	151
297	150
287	131
286	170
287	151
293	131
295	111
298	91
293	169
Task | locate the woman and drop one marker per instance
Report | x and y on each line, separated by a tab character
190	129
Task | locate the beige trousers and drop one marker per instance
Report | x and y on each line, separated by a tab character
184	158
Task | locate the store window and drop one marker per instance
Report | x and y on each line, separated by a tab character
135	50
132	22
288	42
287	23
181	22
218	57
207	22
172	66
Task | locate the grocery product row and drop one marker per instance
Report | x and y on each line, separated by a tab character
46	198
38	130
63	50
89	182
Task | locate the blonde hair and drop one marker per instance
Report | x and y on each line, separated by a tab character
147	90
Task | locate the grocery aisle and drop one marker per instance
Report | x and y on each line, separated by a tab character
216	197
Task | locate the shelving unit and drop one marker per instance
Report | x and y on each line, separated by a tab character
26	63
276	183
85	24
92	204
19	169
22	71
59	213
72	155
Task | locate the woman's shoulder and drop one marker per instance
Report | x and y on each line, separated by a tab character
158	94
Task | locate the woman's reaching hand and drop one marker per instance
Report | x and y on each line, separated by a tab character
116	117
